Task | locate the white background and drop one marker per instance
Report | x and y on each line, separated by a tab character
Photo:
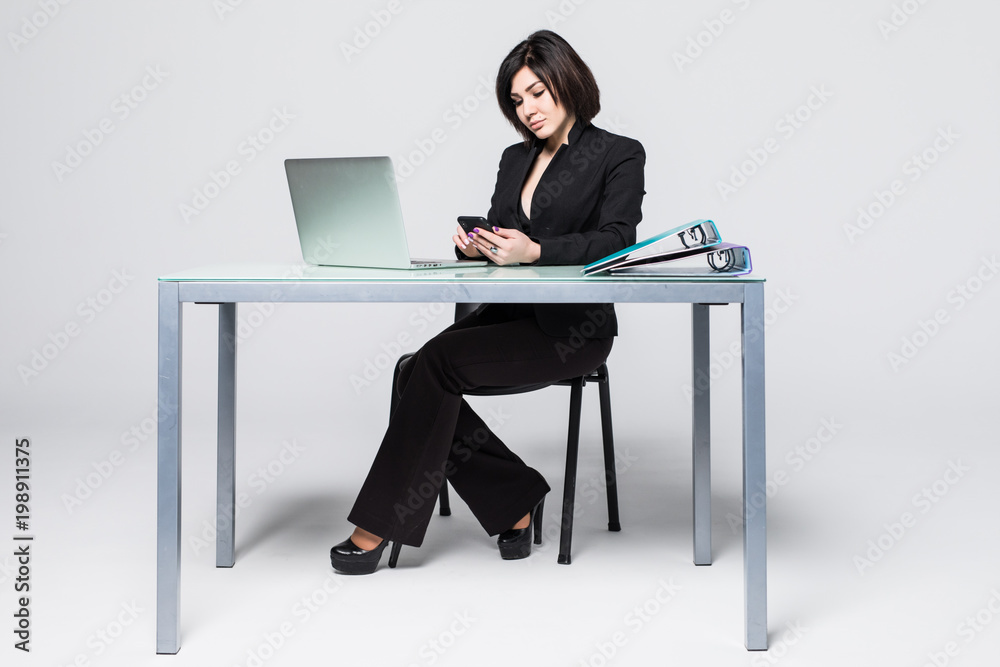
842	301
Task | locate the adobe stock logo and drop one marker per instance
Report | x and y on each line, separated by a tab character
732	356
43	356
364	35
122	107
562	13
914	169
636	620
705	39
968	630
455	115
32	25
796	459
223	8
924	500
787	126
218	180
900	16
927	329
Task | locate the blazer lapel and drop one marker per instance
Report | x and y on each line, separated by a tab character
571	141
528	161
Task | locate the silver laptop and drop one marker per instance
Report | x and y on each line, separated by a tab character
347	213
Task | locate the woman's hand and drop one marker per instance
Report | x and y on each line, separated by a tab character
464	243
504	246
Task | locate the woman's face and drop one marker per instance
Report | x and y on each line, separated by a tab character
536	108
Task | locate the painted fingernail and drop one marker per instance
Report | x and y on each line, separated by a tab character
496	229
470	235
476	230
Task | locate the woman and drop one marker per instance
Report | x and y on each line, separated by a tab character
571	193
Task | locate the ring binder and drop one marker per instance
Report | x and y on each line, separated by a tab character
685	238
725	259
694	249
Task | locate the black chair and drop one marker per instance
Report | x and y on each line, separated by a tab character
600	376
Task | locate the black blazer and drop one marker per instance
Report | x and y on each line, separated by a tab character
585	207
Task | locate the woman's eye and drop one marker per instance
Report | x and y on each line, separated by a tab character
539	93
517	103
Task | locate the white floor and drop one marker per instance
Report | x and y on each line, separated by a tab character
629	598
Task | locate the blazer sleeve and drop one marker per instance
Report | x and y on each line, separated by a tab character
620	210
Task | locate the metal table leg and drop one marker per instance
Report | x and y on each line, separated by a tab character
754	469
701	434
168	470
225	509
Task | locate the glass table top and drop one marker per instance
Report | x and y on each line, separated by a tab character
292	272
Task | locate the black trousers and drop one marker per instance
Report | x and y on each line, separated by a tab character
434	434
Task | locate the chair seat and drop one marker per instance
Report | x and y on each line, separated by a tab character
598	375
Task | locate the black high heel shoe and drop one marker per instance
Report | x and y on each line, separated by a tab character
349	558
515	543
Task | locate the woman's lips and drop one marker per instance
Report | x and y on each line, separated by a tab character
535	124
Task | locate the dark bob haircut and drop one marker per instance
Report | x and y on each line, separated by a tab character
560	68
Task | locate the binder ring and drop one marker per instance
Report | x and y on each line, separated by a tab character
694	232
727	256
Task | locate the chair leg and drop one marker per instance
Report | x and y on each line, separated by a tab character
444	506
610	476
569	481
393	396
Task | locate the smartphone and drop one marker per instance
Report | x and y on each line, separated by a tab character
469	222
